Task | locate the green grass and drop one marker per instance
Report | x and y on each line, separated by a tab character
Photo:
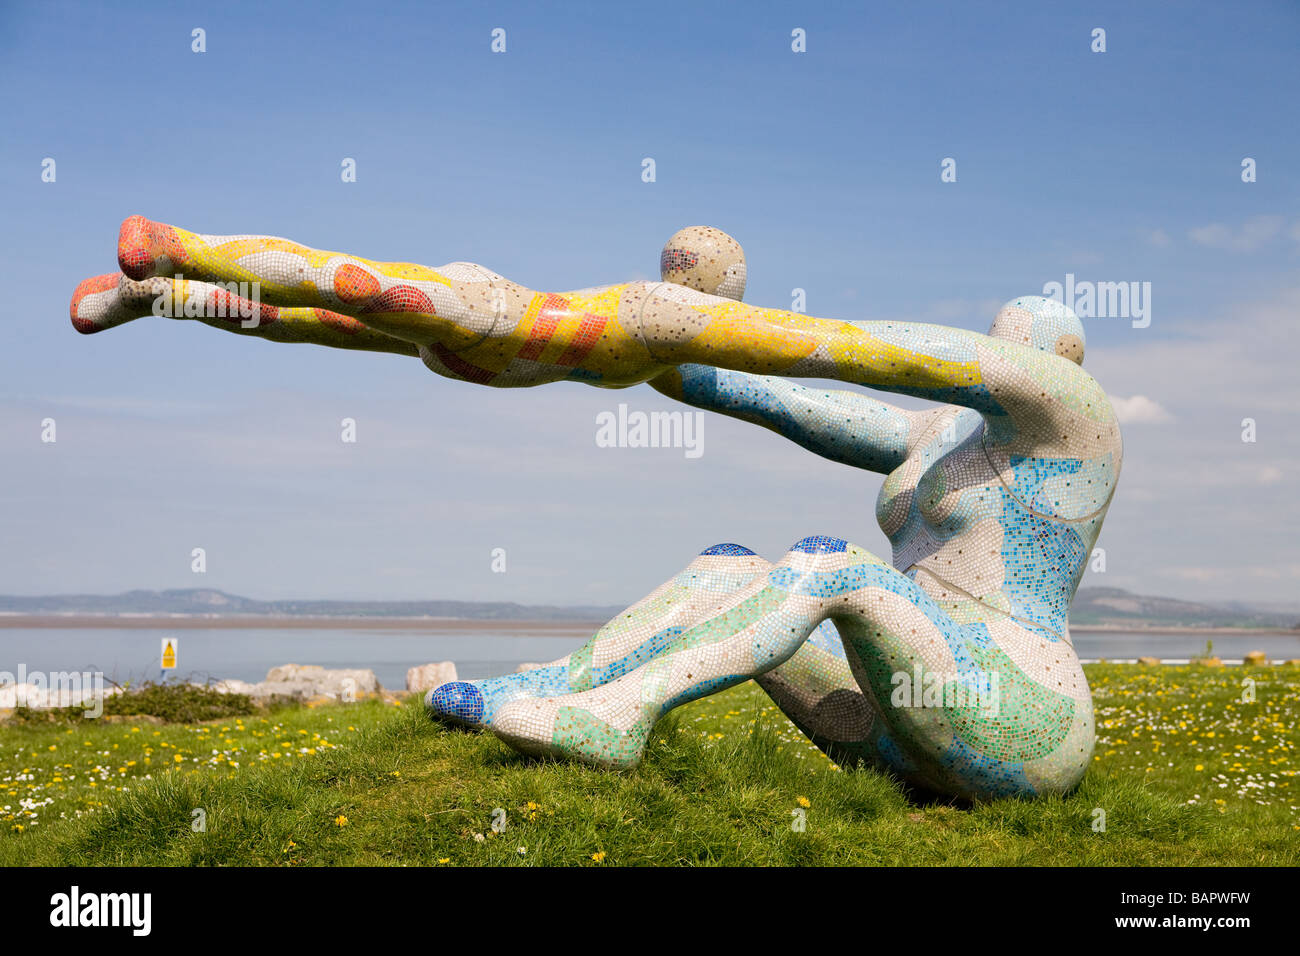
1186	772
173	703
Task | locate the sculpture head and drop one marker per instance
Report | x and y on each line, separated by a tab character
1041	323
706	259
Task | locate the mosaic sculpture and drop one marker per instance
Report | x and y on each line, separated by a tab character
951	667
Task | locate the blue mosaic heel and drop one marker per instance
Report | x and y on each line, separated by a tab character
473	703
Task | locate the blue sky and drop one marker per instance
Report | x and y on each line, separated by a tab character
1115	166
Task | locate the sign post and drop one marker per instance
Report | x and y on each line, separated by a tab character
168	660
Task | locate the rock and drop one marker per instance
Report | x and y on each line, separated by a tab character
234	687
297	689
428	676
1209	661
1255	659
289	672
21	695
308	681
1149	661
38	697
527	666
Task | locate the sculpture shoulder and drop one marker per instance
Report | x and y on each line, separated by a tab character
1046	404
1058	451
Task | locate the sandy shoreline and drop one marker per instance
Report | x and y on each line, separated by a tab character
222	623
1208	631
232	622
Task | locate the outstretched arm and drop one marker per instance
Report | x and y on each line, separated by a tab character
1035	403
843	426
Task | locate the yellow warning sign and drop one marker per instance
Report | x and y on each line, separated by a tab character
169	653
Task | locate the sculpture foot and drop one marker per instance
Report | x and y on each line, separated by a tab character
458	702
145	248
474	703
558	728
96	305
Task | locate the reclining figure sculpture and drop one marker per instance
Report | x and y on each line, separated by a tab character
951	667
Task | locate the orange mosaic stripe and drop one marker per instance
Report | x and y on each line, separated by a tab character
584	341
545	311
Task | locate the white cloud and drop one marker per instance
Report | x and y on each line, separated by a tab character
1139	410
1252	234
1158	237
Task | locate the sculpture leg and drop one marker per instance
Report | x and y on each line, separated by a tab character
634	637
286	271
971	710
761	626
107	301
816	689
454	306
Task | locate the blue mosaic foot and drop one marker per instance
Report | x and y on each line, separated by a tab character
459	702
473	703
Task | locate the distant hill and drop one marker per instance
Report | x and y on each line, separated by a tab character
210	602
1117	607
1112	607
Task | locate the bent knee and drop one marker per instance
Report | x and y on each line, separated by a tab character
820	544
727	549
835	550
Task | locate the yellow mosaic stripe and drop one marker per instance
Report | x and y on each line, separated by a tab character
857	355
221	261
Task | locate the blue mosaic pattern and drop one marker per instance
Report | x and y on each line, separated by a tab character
726	549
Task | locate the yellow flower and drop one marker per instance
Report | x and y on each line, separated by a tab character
599	856
341	820
444	859
803	802
1200	767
